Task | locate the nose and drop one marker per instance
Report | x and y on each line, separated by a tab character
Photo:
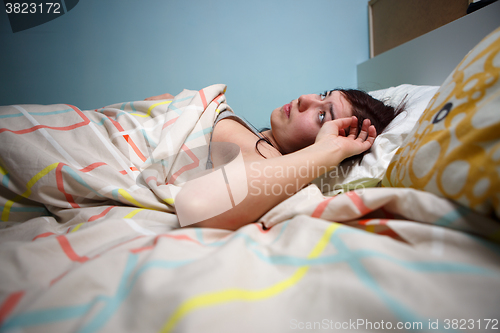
307	101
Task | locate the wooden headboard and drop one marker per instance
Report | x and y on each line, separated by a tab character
429	59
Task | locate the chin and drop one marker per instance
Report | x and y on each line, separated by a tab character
272	120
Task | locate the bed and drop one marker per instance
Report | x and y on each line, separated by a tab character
408	240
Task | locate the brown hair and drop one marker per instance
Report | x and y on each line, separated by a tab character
364	106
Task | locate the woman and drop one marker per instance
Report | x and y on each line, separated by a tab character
311	133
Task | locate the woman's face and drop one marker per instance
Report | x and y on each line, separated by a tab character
295	125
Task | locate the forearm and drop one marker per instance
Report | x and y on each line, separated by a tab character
268	181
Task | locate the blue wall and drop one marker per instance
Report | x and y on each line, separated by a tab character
107	51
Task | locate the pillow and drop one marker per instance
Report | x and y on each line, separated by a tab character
454	149
374	164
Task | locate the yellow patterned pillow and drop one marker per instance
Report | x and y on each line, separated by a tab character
454	149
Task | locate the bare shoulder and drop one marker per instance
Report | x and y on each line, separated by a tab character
228	130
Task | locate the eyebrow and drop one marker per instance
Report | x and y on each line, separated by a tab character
327	94
331	104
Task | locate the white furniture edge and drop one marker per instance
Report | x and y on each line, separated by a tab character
430	58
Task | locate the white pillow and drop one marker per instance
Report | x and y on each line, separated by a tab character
375	163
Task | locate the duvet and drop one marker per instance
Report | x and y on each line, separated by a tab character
90	241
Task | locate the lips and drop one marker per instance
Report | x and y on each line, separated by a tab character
286	109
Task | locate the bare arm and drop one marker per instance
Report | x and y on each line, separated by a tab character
272	180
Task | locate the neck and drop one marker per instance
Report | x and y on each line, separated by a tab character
269	134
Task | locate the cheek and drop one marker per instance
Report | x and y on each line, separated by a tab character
305	134
308	130
294	136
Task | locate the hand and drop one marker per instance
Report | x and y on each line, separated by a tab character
333	132
163	96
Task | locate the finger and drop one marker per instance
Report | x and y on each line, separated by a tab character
363	134
343	122
372	134
353	129
341	126
370	139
